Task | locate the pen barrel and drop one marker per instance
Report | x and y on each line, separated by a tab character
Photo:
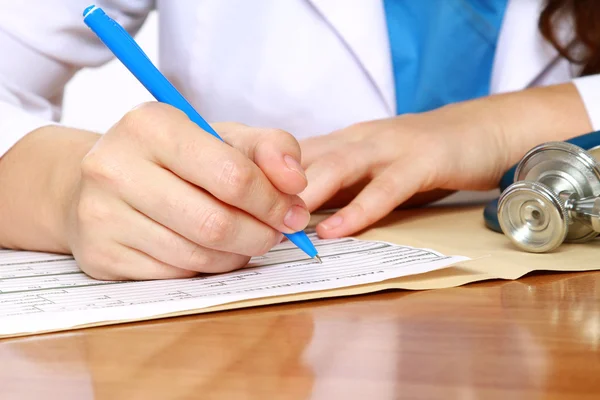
120	42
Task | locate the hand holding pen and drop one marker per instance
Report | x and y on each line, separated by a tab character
161	198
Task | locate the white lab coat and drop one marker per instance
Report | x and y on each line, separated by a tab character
306	66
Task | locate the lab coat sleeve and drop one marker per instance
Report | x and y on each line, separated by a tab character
42	45
589	89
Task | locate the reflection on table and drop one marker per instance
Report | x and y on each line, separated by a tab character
534	338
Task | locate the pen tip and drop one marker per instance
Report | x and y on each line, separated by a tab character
318	259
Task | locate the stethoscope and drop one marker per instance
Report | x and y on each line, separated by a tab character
551	196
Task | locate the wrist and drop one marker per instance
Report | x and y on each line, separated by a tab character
64	182
530	117
513	123
38	178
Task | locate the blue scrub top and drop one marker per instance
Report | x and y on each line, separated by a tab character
442	50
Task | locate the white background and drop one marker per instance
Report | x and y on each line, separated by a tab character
97	98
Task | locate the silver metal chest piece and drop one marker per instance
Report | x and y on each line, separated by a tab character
533	217
552	182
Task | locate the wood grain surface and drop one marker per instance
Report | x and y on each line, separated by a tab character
535	338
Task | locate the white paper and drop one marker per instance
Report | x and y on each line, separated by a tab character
44	292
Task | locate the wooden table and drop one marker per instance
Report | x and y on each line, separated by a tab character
536	338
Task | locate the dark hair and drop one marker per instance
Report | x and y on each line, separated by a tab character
582	47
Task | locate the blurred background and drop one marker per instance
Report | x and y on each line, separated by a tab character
96	113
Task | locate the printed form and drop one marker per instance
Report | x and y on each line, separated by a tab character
45	292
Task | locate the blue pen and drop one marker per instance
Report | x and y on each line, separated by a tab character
132	56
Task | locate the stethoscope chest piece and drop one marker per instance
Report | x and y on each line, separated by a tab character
533	217
554	198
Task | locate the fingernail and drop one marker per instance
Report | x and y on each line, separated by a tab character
294	165
332	222
296	218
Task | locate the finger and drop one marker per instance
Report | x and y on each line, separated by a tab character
172	141
184	208
276	152
345	196
335	171
147	236
118	262
379	198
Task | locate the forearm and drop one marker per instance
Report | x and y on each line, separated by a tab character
542	114
37	177
527	118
